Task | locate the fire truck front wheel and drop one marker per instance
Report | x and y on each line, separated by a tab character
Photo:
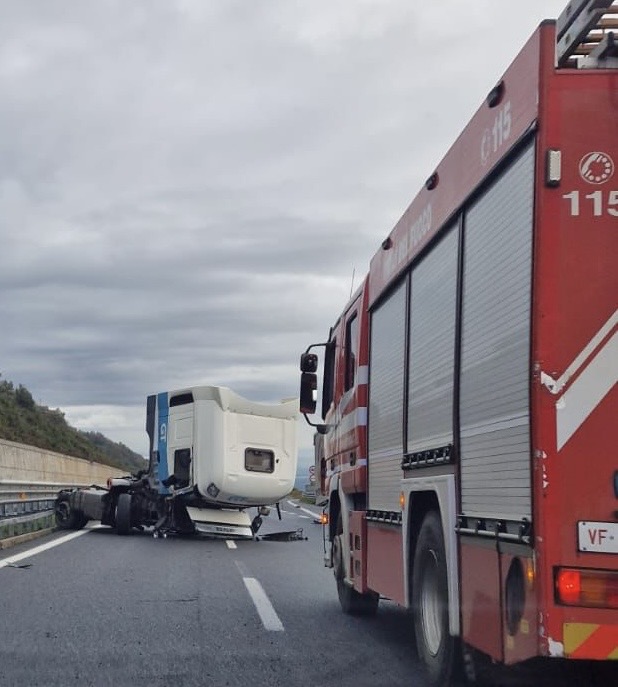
352	602
437	649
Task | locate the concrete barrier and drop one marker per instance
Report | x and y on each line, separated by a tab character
30	465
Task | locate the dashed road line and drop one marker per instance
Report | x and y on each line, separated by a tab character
231	544
265	609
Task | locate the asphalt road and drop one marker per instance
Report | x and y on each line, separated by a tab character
100	609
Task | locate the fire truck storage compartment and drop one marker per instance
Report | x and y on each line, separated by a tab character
433	314
386	380
494	380
495	346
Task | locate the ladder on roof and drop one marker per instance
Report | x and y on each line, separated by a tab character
585	34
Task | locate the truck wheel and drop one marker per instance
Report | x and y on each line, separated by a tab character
352	602
123	514
67	518
437	649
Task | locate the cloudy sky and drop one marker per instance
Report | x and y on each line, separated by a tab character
188	186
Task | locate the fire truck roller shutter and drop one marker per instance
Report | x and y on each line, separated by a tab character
433	312
386	387
495	346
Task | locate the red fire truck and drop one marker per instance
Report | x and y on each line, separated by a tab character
469	394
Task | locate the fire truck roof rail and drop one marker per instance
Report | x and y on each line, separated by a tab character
583	26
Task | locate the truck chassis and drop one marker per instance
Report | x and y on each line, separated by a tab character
131	502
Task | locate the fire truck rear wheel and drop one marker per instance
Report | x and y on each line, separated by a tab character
352	602
123	514
437	649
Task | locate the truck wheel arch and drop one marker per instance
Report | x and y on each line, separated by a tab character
434	493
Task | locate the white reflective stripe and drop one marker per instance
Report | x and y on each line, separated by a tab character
357	418
345	399
587	391
359	462
362	374
556	385
334	471
361	416
362	377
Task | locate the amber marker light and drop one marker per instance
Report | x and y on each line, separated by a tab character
592	588
402	500
324	519
529	572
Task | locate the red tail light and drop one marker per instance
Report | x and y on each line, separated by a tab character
577	587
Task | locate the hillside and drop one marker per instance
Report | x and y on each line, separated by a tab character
24	421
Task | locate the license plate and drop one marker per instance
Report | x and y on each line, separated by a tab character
597	537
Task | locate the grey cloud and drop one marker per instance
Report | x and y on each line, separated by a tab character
186	186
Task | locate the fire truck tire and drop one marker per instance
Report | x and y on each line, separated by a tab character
437	649
351	601
123	514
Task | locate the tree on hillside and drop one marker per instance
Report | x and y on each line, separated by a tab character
24	398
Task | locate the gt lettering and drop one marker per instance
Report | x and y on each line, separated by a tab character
596	203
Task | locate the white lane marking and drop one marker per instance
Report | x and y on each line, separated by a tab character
230	544
44	547
311	513
265	609
306	517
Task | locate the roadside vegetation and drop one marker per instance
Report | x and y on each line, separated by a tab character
24	421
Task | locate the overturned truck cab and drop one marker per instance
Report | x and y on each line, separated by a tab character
213	455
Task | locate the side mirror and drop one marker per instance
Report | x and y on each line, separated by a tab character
309	362
308	391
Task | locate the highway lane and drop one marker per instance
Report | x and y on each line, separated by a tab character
107	610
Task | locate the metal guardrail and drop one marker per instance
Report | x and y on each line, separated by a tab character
27	507
13	486
21	498
11	509
12	529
